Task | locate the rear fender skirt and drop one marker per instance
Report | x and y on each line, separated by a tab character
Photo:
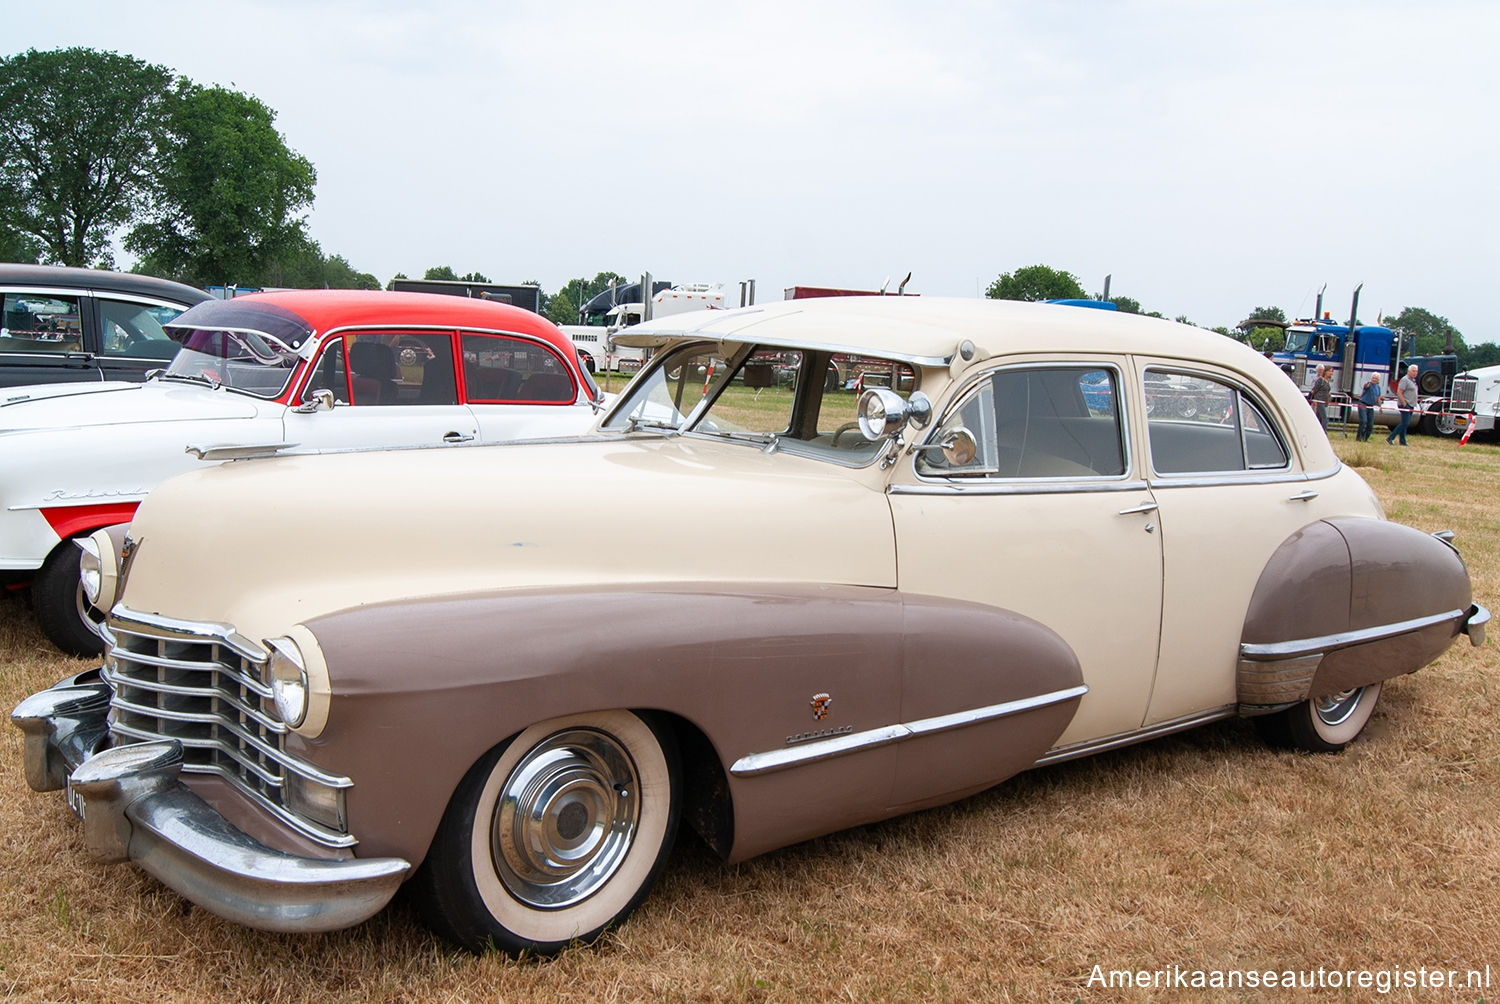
1347	602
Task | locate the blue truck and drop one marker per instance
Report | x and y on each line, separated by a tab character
1357	351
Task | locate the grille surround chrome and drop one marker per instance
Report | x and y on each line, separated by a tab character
203	685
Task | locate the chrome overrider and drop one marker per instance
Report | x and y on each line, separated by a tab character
135	808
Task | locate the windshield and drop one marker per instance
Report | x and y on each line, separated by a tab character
1299	341
799	400
239	360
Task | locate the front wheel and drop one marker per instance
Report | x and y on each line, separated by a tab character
1440	423
62	611
1322	724
554	836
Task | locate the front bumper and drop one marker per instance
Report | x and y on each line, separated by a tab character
135	808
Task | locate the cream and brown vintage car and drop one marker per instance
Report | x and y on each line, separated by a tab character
874	554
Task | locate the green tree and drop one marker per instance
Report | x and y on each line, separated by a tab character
562	307
444	273
1434	334
1483	354
311	269
232	195
1268	314
1035	282
79	133
1126	305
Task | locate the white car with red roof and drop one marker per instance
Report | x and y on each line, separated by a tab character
294	371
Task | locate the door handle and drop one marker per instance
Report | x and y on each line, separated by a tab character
1306	496
456	437
1143	507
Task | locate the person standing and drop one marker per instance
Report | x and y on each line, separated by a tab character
1406	402
1319	395
1369	400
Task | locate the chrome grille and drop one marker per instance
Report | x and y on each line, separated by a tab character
1465	389
201	684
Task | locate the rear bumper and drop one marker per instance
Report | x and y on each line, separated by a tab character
135	808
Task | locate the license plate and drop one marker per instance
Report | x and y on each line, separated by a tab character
75	802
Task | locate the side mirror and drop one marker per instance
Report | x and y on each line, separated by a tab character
321	400
957	446
882	412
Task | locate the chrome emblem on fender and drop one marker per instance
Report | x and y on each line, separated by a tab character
820	703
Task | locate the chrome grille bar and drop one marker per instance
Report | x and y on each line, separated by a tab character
201	685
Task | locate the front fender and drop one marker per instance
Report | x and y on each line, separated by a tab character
422	689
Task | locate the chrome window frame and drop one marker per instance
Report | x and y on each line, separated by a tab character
1236	475
986	483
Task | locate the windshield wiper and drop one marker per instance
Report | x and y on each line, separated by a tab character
192	378
646	423
765	440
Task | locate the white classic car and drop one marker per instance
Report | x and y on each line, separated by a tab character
833	608
298	371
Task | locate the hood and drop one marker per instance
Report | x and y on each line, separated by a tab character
407	524
68	406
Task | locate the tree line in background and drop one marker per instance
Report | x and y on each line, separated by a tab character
1434	334
199	186
194	181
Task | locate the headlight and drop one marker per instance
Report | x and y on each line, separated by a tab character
88	569
298	679
288	681
99	569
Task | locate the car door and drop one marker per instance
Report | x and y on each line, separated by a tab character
1230	491
389	388
45	336
1052	520
520	388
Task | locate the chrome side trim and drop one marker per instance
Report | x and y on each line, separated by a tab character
764	763
233	451
1344	639
1035	486
1238	478
1090	746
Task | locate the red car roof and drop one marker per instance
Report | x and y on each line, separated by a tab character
324	309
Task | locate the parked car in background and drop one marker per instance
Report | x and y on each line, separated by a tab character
295	371
68	324
330	674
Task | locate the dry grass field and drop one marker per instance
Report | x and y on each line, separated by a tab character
1202	851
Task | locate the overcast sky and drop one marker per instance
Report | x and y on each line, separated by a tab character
1211	156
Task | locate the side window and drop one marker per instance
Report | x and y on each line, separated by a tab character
135	329
40	322
1038	422
1200	425
389	369
498	368
330	374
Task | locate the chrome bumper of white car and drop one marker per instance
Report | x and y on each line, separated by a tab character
134	808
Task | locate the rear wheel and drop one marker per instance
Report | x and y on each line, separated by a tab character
555	835
62	611
1323	724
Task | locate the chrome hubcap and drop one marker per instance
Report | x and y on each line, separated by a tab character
565	819
1335	709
